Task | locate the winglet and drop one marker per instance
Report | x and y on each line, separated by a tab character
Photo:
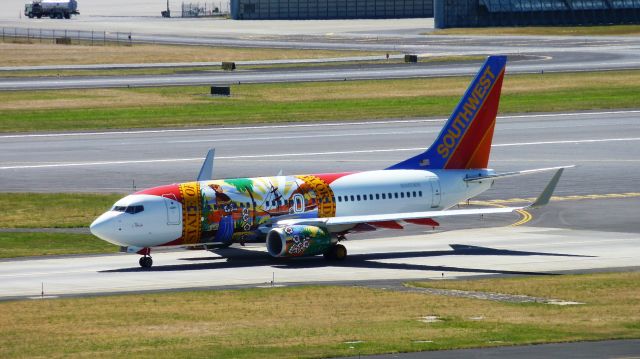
206	171
545	196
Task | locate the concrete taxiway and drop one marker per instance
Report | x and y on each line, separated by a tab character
425	256
580	350
554	62
602	143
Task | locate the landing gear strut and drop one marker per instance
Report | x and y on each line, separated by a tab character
146	262
337	252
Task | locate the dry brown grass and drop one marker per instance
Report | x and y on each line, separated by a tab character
316	321
12	54
96	98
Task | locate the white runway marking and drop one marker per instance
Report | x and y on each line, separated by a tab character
106	163
303	136
244	128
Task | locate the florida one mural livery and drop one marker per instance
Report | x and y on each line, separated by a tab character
231	210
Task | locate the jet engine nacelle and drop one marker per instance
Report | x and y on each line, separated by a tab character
298	241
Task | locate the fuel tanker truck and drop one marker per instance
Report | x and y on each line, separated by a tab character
55	9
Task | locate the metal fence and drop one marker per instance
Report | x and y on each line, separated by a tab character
329	9
485	13
79	36
205	9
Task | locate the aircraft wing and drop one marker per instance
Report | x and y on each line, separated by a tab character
329	222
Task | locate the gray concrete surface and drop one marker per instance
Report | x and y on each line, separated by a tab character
602	143
556	62
209	27
183	65
426	256
579	350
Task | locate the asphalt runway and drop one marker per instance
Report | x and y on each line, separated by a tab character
581	350
428	256
541	53
591	224
603	144
560	62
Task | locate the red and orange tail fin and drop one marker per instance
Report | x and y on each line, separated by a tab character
465	140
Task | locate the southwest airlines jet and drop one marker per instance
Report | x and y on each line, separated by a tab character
308	215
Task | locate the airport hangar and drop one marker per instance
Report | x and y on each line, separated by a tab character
448	13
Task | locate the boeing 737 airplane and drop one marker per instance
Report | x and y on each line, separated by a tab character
308	215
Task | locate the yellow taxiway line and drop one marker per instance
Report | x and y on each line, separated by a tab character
526	216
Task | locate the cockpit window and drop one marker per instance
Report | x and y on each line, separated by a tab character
134	209
129	209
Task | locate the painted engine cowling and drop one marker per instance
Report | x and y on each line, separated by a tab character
298	241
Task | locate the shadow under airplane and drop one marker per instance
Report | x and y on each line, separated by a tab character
242	258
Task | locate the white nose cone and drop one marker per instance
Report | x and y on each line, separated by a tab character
105	227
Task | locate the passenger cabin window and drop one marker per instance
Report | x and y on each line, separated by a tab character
358	197
384	196
377	195
414	194
353	198
339	198
364	197
396	195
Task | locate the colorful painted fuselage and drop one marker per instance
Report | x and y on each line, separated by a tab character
242	209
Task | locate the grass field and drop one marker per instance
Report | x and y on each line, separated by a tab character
41	243
49	210
313	322
545	30
329	101
31	54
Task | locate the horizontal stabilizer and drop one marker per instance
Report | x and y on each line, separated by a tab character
514	174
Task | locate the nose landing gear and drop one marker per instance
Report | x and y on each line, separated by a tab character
145	261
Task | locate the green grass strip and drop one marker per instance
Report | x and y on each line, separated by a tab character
247	111
52	210
14	244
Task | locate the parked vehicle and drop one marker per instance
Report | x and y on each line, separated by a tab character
55	9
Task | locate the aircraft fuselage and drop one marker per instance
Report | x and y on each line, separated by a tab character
241	210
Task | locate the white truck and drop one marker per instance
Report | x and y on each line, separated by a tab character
55	9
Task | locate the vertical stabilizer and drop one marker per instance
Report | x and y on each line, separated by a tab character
465	140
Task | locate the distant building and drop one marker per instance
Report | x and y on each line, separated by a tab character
489	13
329	9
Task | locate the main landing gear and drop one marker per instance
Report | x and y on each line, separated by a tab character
146	262
337	252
